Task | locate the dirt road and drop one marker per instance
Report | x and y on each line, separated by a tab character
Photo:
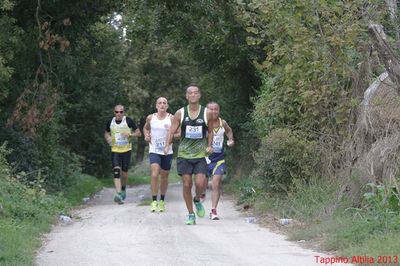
103	233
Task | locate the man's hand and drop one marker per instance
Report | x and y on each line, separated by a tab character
209	149
126	135
166	149
109	141
230	142
147	137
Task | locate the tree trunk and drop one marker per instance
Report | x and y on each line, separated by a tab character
386	54
141	144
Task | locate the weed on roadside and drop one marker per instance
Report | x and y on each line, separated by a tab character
326	221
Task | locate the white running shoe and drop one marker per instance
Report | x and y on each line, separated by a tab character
214	215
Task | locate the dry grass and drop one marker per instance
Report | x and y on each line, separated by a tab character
374	150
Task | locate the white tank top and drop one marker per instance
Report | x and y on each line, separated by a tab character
218	140
158	134
120	143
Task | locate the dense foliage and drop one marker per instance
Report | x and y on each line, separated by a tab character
60	68
316	63
286	74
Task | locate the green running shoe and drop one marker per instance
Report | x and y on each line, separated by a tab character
199	209
161	206
153	206
118	199
123	194
191	219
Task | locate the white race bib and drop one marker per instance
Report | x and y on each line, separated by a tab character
160	144
218	143
194	132
121	140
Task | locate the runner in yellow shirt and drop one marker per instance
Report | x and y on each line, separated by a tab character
118	134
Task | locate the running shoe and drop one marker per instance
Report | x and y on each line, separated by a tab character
214	215
153	206
191	219
161	206
118	199
203	197
199	209
123	194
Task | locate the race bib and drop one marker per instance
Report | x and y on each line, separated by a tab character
121	140
160	144
194	132
218	143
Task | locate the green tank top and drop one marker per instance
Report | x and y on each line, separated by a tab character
193	142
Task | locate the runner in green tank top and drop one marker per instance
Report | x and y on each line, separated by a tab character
195	144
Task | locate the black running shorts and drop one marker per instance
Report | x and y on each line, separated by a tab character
121	159
191	166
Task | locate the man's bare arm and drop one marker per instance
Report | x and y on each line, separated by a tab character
210	133
177	134
107	137
146	129
136	133
228	133
176	120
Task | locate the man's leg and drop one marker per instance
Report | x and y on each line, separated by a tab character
203	195
200	189
218	172
125	161
116	169
165	166
187	191
117	162
163	182
155	171
216	190
117	178
117	183
124	180
201	182
163	189
185	170
200	170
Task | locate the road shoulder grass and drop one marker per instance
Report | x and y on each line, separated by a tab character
324	221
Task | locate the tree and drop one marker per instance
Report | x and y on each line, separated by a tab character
49	103
212	41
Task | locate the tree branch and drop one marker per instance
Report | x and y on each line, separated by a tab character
386	53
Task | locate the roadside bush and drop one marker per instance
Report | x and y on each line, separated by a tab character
283	157
20	201
382	198
24	154
41	159
63	168
381	203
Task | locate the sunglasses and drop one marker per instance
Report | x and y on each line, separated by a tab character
120	112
